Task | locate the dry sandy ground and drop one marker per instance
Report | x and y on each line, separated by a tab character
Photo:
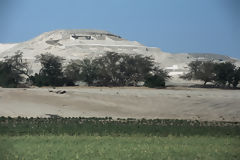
171	103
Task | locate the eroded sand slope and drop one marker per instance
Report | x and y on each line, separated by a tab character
177	103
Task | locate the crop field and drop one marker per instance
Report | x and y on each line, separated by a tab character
123	147
107	138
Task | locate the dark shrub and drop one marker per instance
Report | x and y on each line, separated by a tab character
155	81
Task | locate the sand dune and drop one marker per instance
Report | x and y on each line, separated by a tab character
172	103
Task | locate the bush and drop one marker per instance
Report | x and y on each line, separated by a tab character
155	81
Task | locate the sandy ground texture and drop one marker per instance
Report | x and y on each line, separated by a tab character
171	103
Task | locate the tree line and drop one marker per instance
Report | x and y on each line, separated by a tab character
110	69
224	74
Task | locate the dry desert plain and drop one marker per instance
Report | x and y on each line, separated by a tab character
122	102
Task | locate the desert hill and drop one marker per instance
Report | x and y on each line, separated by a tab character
77	44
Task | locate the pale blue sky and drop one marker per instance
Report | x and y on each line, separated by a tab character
209	26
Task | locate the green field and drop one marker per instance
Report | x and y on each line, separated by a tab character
104	138
110	147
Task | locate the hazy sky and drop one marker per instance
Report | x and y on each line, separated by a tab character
210	26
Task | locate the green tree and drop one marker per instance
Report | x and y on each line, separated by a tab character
81	70
108	69
157	78
14	70
51	73
72	70
8	78
122	69
113	69
236	77
136	68
224	73
199	70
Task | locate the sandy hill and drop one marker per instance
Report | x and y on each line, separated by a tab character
77	44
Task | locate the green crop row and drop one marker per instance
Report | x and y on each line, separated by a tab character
115	127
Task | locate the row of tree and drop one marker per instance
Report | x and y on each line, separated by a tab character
111	69
115	69
224	74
